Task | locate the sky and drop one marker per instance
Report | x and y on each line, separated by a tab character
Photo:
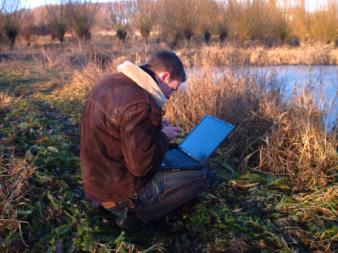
311	4
36	3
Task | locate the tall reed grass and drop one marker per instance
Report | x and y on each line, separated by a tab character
272	135
298	144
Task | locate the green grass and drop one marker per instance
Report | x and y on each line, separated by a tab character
244	212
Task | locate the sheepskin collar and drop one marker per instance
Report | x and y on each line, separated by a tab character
144	80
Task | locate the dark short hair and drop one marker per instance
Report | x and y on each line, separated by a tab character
165	60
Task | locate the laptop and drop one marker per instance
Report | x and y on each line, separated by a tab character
193	152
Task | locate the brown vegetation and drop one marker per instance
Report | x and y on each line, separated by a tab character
256	55
286	139
11	20
14	174
174	21
145	17
289	137
298	145
82	17
56	19
121	16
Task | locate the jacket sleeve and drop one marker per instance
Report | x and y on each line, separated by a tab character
143	143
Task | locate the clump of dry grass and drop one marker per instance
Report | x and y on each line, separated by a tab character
14	174
298	144
52	58
5	100
233	98
321	202
290	138
83	80
223	98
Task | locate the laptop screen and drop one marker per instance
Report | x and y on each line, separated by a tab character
202	141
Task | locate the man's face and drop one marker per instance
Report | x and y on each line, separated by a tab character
167	85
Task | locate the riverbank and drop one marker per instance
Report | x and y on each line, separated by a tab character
276	186
230	55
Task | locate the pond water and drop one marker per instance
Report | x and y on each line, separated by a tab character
322	79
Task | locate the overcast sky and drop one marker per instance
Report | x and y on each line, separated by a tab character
311	4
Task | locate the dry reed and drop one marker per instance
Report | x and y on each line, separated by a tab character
298	145
14	175
5	100
290	138
233	98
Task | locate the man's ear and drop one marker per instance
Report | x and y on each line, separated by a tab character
165	76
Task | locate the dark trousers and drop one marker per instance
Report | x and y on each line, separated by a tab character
163	193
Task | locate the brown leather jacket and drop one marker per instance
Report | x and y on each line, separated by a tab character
122	144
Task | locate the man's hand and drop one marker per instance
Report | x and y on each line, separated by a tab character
170	131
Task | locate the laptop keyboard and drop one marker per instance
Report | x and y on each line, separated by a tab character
175	158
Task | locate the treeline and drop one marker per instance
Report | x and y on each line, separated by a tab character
267	21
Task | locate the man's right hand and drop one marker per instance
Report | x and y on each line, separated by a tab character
170	131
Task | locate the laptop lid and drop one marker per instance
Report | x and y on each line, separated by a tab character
205	138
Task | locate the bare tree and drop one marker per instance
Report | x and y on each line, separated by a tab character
28	27
82	16
300	23
178	19
121	13
208	10
145	16
57	19
222	18
12	19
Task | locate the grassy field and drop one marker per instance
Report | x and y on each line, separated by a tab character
276	187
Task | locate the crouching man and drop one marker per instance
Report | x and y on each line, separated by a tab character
123	142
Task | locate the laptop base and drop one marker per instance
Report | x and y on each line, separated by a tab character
176	160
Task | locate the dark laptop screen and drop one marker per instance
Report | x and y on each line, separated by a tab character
205	138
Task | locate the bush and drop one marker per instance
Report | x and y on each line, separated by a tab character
57	20
121	34
207	36
300	23
178	19
324	24
294	42
145	17
28	27
11	20
208	11
120	14
260	20
226	14
81	17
